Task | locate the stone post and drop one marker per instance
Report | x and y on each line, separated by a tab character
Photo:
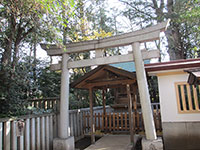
144	93
64	99
64	141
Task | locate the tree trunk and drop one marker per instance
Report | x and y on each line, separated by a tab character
173	34
6	57
7	54
159	9
34	57
175	45
15	55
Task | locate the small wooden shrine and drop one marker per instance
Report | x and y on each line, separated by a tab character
108	77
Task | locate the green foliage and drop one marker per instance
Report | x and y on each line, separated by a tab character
193	11
78	99
18	20
191	17
26	81
56	17
153	89
49	83
22	23
15	89
27	21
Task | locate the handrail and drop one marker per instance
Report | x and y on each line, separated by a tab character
48	98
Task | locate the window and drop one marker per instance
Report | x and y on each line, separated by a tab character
188	97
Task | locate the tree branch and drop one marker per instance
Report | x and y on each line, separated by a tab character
155	4
162	4
138	9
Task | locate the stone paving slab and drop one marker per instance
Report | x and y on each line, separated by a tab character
111	142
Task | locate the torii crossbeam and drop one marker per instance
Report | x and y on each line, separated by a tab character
133	38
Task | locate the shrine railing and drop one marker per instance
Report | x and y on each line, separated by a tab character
115	122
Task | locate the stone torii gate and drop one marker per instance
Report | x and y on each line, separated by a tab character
64	141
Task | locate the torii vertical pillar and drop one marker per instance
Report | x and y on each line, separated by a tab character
64	141
149	125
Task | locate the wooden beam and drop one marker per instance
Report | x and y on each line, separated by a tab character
91	117
109	86
130	105
113	80
143	35
107	60
108	83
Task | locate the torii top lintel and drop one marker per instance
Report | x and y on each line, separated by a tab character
144	35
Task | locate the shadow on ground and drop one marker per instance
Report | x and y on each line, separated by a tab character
84	143
138	145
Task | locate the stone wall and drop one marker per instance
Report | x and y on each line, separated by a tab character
181	135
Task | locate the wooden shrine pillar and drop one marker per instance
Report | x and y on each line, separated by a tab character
134	104
92	127
144	93
104	101
130	106
104	107
135	97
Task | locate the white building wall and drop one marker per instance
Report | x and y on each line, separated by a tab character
168	101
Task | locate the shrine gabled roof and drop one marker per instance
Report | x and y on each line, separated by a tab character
104	75
128	66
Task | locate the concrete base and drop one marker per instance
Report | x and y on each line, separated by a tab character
64	144
152	144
